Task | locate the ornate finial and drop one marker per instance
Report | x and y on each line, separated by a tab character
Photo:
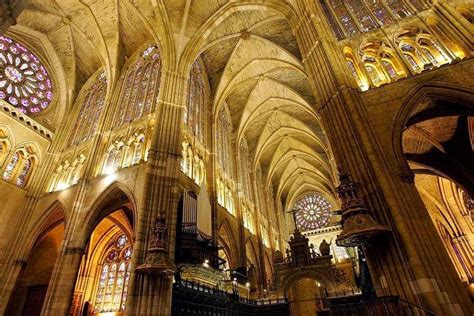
358	226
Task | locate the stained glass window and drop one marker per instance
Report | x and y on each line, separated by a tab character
225	159
331	20
140	87
380	12
195	103
19	167
359	10
344	17
8	173
91	109
25	171
114	276
24	81
137	153
224	146
374	76
312	212
389	68
398	8
248	219
245	168
354	16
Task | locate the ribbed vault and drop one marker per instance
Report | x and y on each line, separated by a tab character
250	54
262	80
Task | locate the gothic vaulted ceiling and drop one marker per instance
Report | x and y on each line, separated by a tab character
251	57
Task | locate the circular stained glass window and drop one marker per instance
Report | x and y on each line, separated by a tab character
312	212
24	81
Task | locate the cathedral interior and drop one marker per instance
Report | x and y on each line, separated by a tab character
224	157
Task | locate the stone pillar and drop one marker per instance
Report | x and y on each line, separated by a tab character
63	279
151	284
413	264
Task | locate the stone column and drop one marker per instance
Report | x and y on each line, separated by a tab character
412	263
63	279
151	283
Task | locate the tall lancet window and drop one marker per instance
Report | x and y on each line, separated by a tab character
20	166
195	103
245	169
140	86
224	141
225	160
91	108
114	274
355	16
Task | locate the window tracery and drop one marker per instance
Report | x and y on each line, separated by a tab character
114	156
249	221
421	49
192	161
195	102
224	160
112	287
135	149
192	164
67	174
312	211
24	81
351	17
245	169
140	87
91	109
354	68
224	142
380	62
20	166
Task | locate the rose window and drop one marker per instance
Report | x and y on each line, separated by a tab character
24	81
312	212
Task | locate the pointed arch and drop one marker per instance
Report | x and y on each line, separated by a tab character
226	235
53	216
439	91
112	198
251	254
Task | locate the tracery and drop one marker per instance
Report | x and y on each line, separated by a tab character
140	87
224	160
195	102
192	161
20	166
92	105
112	287
24	81
349	18
312	211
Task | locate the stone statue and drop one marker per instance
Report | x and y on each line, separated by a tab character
324	248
